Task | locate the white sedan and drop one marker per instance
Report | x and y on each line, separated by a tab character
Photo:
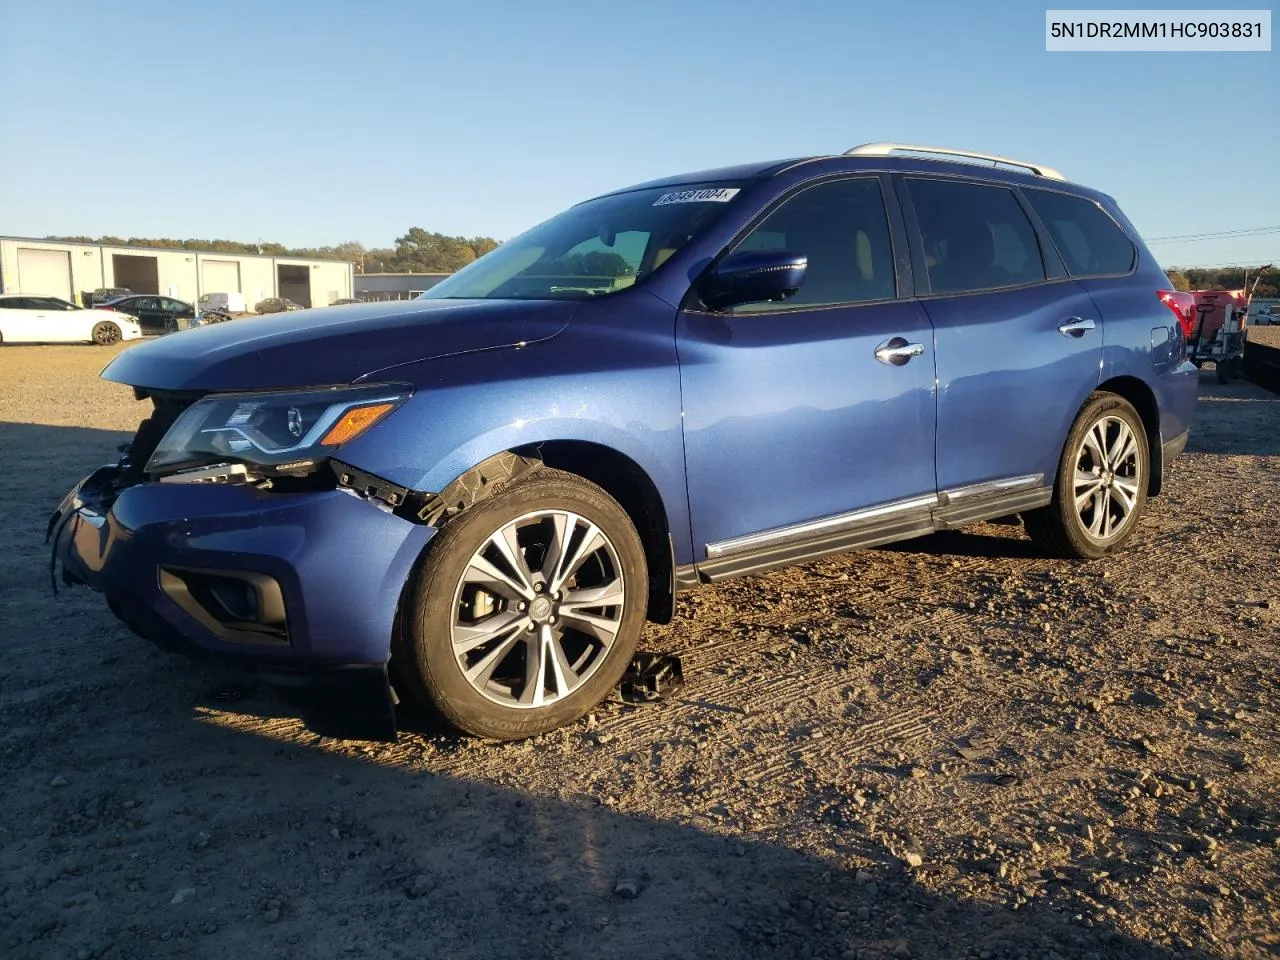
28	319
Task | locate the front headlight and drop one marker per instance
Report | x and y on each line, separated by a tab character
273	429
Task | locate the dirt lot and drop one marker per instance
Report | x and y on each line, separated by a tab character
1269	335
954	748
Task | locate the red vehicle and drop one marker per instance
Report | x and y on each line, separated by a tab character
1214	322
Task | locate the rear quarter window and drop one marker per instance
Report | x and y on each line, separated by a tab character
1089	241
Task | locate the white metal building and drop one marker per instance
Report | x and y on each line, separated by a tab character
72	270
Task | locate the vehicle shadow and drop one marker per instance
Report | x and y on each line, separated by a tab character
982	540
236	831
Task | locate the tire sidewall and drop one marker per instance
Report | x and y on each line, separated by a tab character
1105	405
434	672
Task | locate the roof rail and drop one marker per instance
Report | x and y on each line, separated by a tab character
888	149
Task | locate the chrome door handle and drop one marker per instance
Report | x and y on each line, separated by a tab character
898	351
1075	327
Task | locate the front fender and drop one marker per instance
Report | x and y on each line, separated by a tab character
610	380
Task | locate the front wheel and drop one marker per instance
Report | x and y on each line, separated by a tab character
106	334
1101	487
526	609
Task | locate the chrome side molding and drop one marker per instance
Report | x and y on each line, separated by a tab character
992	486
815	528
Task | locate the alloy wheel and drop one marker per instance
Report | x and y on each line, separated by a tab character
1107	477
537	609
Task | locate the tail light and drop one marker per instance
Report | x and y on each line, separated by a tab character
1183	306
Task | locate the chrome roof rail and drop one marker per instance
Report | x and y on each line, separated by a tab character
888	149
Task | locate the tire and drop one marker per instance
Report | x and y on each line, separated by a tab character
106	334
1110	506
448	603
1223	369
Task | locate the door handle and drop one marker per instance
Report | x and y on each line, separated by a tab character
1075	327
898	351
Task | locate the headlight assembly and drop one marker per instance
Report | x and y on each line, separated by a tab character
273	429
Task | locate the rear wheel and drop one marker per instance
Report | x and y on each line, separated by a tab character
1101	487
526	609
106	333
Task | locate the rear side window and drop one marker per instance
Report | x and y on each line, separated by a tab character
975	237
1088	239
842	228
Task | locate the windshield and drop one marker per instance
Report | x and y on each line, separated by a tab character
594	249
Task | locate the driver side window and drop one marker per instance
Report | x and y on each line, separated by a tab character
842	227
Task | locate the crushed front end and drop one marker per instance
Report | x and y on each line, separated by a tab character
287	568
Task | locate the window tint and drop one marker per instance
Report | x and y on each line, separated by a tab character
595	249
1088	239
594	257
842	228
975	237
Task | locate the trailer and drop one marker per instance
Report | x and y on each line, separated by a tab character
1219	328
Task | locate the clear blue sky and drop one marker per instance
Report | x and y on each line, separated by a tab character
318	122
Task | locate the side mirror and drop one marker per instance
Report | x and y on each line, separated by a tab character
753	276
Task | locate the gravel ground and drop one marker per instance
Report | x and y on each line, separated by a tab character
952	748
1269	335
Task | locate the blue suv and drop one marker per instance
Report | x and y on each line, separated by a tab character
488	490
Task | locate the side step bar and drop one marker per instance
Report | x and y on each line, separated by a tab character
873	527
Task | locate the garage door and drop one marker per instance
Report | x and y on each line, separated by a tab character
221	276
44	272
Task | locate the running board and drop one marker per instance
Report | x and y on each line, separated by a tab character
873	527
875	533
953	513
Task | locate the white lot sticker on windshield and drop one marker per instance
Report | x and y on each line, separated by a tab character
710	195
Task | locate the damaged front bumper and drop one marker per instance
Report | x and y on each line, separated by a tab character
302	587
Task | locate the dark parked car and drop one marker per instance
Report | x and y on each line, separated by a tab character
156	314
277	305
106	294
489	489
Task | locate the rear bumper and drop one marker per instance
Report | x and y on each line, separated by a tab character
277	581
1177	393
1172	448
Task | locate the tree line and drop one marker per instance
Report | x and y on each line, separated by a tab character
1225	278
418	251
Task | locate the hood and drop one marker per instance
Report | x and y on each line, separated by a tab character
332	345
